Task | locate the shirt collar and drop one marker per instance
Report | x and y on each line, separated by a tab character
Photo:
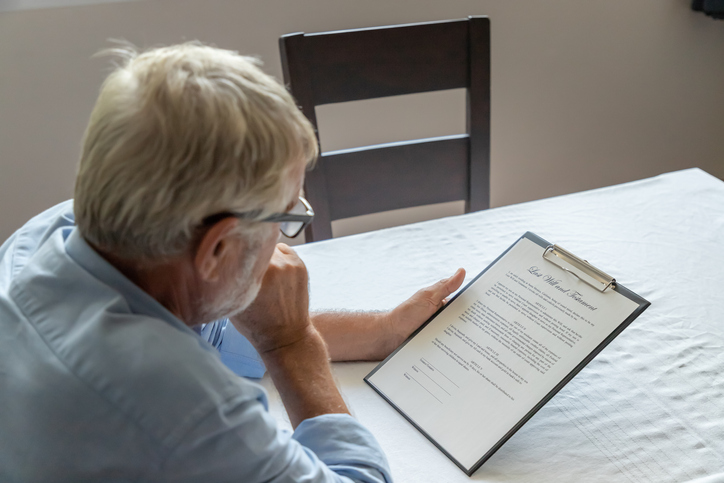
138	300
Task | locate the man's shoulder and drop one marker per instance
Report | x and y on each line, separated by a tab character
125	389
159	375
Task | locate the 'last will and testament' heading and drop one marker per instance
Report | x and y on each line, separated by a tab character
556	283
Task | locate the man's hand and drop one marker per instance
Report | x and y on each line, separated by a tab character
370	336
277	324
279	316
413	312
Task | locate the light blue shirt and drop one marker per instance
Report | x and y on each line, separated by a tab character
100	382
236	352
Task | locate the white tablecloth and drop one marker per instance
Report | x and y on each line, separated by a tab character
649	408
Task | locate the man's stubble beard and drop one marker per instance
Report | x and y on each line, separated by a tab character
241	291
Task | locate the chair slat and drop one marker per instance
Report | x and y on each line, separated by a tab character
371	63
398	175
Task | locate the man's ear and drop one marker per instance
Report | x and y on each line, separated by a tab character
214	249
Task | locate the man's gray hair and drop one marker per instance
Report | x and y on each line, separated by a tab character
180	133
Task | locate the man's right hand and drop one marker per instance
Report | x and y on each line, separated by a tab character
278	325
279	316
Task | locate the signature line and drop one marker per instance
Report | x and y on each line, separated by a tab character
431	394
425	361
433	380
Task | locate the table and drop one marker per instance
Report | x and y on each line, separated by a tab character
649	408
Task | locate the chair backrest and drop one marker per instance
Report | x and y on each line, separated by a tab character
330	67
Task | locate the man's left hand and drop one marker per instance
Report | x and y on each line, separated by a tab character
372	336
413	312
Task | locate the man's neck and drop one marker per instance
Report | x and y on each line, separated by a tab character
171	282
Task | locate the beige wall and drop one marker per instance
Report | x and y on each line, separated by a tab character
585	94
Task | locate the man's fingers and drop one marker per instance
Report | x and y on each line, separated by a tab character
285	252
448	285
284	256
453	283
284	248
436	294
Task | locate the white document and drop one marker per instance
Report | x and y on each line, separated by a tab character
475	373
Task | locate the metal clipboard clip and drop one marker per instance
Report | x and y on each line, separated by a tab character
578	267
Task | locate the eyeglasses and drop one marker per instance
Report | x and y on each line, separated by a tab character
291	223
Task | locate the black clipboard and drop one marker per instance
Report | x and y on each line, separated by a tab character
567	262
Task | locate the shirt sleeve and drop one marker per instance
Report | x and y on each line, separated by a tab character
241	442
236	351
345	446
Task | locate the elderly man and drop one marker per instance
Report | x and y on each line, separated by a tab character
192	161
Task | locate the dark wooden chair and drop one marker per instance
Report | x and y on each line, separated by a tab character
369	63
